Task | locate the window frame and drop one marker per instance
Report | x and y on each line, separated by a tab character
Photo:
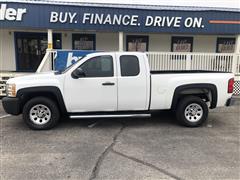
121	66
99	76
137	36
76	36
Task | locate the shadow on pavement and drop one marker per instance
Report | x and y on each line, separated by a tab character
157	119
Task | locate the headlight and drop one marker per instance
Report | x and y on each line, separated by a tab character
11	90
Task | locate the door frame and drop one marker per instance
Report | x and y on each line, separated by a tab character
19	34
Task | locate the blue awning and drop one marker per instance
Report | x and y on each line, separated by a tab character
114	17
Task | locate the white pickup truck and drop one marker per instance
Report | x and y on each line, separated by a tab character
116	84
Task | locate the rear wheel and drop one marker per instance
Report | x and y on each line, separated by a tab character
192	111
41	113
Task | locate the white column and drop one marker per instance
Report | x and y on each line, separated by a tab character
237	50
237	44
49	55
120	41
50	39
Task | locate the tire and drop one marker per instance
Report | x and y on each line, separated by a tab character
41	113
192	111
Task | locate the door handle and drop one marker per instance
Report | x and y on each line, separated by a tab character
108	84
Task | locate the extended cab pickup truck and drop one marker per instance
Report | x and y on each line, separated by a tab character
116	84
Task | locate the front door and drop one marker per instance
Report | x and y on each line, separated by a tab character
97	91
31	48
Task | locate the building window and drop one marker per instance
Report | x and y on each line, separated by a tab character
137	43
84	41
225	45
57	41
182	44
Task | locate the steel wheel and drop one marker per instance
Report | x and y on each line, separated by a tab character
40	114
193	112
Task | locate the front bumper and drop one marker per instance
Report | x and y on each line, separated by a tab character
11	105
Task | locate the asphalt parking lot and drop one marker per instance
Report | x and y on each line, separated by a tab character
156	148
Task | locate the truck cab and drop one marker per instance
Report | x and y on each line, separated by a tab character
108	82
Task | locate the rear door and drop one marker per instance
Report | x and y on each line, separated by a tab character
133	82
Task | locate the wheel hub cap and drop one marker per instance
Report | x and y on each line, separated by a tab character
40	114
193	112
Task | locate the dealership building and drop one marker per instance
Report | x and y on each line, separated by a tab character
26	26
208	38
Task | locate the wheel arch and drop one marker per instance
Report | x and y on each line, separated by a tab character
50	92
202	90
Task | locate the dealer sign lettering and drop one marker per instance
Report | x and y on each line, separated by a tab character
11	14
125	20
116	19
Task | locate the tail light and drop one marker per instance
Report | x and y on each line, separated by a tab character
230	85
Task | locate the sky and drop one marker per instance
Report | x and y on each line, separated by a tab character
200	3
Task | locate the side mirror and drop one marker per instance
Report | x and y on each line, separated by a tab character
77	73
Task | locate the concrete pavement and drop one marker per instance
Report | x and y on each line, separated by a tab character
156	148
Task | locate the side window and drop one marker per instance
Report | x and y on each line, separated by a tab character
100	66
129	65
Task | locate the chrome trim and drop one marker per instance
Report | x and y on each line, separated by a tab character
109	116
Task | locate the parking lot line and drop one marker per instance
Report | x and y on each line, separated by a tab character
8	115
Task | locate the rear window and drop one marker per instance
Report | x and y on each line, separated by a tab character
129	65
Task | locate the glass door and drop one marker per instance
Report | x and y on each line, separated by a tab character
31	48
28	54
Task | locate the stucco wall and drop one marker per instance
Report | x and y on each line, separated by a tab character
106	41
7	51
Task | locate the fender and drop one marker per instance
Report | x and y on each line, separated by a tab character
50	91
211	87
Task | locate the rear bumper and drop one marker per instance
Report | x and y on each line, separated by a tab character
11	105
232	101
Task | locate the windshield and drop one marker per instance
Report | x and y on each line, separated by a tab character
69	67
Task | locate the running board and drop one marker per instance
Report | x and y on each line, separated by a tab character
110	116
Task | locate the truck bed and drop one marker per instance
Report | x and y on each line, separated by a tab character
164	83
184	71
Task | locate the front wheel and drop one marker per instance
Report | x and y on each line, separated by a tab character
41	113
192	111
